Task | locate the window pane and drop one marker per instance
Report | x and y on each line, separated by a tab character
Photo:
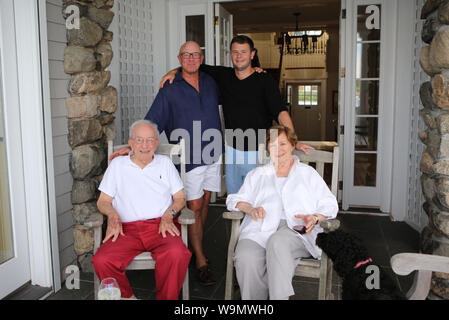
368	24
301	95
195	29
308	95
366	134
315	95
367	97
365	170
368	60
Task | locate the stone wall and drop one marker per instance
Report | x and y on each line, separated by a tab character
90	112
435	159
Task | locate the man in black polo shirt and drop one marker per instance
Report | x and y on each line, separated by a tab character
251	101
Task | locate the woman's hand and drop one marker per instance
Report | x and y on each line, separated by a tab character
259	70
311	220
257	213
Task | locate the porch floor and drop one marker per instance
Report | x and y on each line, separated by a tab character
382	237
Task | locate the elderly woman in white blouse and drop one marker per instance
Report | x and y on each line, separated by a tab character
278	198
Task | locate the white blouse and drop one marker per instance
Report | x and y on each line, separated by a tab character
304	192
280	182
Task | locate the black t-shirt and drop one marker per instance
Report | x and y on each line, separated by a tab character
251	103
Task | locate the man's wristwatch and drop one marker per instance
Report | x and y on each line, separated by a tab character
317	220
174	213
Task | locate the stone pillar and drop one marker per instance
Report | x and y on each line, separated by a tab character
90	113
435	159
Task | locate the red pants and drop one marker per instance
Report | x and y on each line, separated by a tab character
171	256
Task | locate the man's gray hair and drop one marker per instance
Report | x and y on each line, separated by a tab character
139	122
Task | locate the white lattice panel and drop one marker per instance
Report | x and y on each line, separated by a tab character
135	53
416	214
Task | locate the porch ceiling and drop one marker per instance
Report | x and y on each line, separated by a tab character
277	15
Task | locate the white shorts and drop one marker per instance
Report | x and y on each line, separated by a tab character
207	177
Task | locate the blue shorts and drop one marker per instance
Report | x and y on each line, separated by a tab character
237	165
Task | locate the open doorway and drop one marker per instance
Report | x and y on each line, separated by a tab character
307	34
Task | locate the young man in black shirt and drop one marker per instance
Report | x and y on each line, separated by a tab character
251	101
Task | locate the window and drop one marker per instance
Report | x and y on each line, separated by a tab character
308	95
195	30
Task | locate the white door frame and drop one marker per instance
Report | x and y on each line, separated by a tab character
223	33
177	11
26	96
16	271
341	94
386	104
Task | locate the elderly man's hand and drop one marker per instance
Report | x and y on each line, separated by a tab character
167	225
303	147
114	228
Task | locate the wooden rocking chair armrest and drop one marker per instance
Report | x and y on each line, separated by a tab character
234	215
187	216
94	221
405	263
330	225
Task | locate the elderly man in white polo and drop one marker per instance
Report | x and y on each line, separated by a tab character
141	195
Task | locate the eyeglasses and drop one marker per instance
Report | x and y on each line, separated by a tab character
147	140
187	55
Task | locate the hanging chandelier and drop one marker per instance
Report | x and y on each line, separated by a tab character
299	42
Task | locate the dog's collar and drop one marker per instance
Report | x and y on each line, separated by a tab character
361	263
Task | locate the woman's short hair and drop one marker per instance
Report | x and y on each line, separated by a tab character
277	130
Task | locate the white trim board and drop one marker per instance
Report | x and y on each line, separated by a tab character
404	92
49	154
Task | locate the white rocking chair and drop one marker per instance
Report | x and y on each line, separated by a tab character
144	260
309	267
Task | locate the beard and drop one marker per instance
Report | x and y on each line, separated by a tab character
242	67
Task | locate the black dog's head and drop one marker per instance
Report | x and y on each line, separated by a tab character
344	249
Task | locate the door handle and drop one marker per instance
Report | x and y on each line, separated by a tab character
319	116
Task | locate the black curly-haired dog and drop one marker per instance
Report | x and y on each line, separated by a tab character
351	260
